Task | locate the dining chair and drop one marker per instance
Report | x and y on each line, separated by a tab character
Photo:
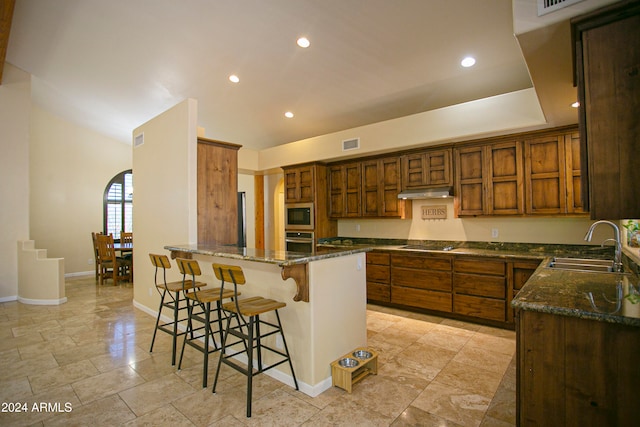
118	268
96	254
126	237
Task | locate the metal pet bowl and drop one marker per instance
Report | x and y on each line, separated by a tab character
362	354
348	362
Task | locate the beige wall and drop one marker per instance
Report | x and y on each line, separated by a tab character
70	167
510	229
165	197
15	105
500	114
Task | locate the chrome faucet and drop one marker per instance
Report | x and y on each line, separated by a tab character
616	239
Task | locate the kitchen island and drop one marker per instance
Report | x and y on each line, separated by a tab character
325	316
578	340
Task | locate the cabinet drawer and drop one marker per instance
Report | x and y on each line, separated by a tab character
484	286
479	266
421	262
421	279
484	308
431	300
378	258
378	273
378	292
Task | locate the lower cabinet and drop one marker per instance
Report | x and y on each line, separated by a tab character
479	286
378	276
475	288
575	372
421	280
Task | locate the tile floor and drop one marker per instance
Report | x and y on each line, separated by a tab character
86	362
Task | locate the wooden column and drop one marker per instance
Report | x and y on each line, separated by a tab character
258	184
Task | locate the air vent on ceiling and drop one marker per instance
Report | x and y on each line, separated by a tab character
548	6
351	144
138	140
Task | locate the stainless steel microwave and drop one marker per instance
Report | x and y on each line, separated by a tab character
299	216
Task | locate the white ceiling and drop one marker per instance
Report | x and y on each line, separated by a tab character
113	65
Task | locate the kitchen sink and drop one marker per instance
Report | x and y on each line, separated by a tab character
583	264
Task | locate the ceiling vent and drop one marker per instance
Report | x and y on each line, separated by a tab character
548	6
138	140
351	144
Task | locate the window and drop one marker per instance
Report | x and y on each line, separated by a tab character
118	204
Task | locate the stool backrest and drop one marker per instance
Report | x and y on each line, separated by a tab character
160	261
229	273
188	266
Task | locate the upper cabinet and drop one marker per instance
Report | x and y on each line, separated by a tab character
344	190
552	174
381	184
299	184
367	188
431	168
607	53
489	179
534	173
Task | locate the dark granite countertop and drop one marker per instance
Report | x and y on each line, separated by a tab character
586	295
492	249
281	258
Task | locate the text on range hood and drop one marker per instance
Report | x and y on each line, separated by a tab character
430	193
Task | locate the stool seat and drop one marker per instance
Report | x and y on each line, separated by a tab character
177	286
253	306
209	295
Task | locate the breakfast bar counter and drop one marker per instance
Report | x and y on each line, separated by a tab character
325	316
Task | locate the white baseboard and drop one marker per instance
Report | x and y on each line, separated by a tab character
9	298
31	301
80	273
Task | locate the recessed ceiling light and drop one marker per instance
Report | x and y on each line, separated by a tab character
234	78
469	61
288	114
303	42
575	104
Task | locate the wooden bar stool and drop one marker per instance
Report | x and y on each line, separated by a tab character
171	297
199	305
249	332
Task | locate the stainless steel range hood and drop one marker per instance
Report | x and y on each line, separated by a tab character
430	193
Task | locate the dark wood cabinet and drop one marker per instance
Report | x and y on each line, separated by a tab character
470	287
489	179
422	281
430	168
552	174
607	53
217	191
299	183
479	288
307	183
575	372
379	276
381	184
367	188
521	271
344	190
